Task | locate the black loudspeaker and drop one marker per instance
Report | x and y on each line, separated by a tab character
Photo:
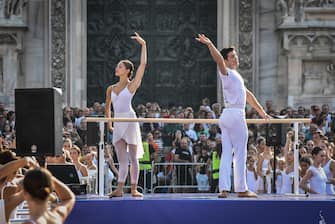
273	134
38	122
276	134
93	133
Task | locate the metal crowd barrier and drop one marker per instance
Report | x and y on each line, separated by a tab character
171	176
179	177
101	122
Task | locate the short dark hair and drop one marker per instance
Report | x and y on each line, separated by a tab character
305	159
225	51
6	157
316	150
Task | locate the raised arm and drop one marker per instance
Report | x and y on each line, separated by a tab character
108	106
251	99
66	197
12	202
136	82
12	166
288	144
216	55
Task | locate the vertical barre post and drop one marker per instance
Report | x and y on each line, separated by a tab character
101	158
296	159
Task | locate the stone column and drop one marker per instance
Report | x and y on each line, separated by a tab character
246	39
68	49
58	44
77	38
36	53
9	53
12	26
269	83
226	31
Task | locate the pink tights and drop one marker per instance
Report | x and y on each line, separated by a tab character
123	158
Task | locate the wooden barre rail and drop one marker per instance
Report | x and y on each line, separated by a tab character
187	121
102	120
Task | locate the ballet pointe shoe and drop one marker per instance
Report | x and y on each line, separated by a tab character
134	192
223	194
118	192
247	194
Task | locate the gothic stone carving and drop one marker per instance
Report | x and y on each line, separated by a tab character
319	3
8	38
318	78
312	40
58	34
246	40
294	10
13	7
315	49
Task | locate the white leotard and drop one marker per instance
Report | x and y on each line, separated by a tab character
128	131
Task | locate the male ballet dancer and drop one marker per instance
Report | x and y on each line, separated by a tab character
232	120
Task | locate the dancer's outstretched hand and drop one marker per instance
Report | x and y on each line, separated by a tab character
31	162
264	115
203	39
138	38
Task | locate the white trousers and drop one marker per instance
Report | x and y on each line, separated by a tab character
234	140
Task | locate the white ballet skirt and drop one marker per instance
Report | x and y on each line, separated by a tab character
130	132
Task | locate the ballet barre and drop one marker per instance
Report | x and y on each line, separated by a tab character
197	121
102	120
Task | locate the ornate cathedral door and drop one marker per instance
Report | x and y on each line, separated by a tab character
180	71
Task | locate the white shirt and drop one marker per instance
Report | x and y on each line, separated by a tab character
329	187
251	181
318	180
234	91
192	134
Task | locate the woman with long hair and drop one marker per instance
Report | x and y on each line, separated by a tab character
75	154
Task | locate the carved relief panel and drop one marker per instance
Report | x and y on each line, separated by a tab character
58	42
318	78
246	14
311	66
12	12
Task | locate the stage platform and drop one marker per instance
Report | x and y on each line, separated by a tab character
204	209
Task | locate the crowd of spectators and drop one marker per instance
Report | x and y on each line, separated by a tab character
196	147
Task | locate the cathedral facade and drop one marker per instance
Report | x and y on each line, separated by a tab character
286	48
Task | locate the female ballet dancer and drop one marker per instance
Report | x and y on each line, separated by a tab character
126	135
